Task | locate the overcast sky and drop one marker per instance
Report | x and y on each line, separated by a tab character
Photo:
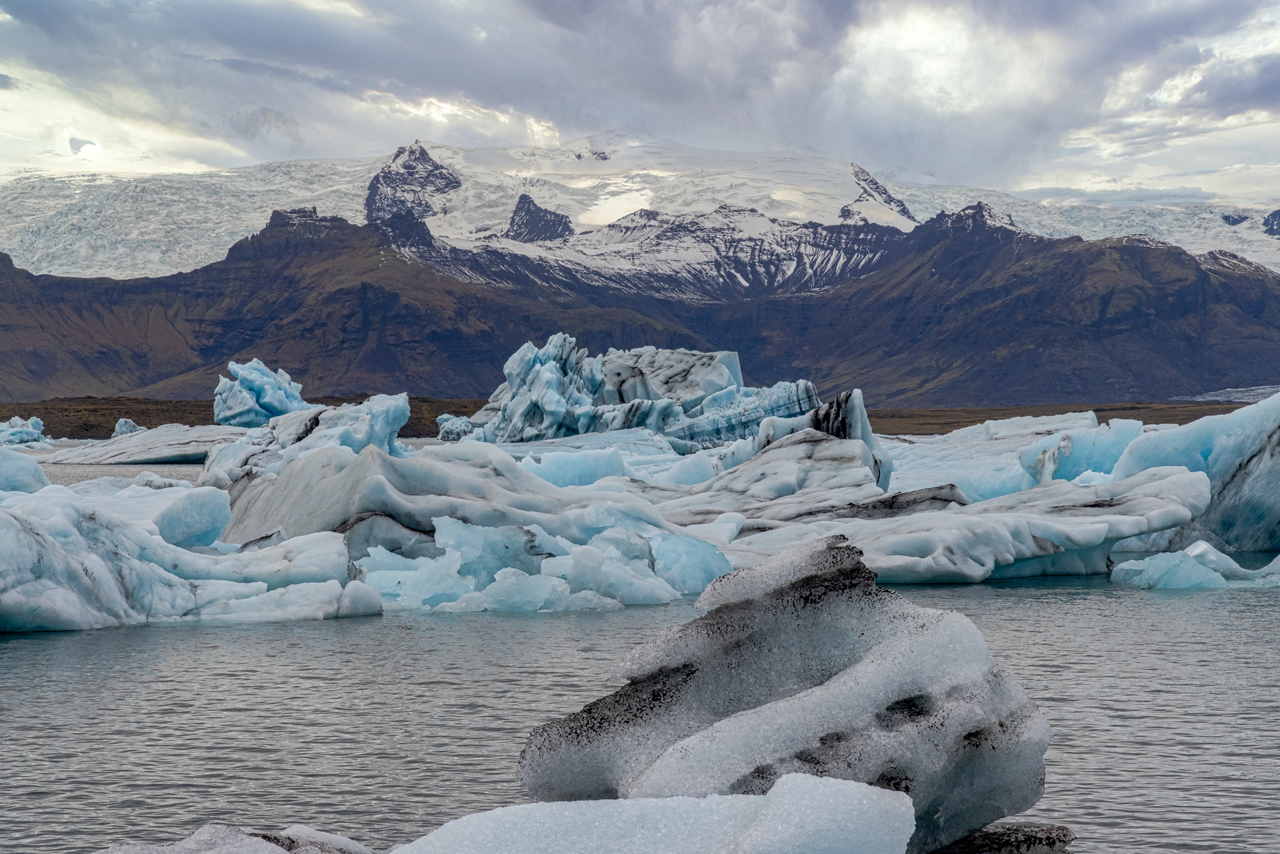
1011	94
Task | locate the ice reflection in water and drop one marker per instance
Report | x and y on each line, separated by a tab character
1163	704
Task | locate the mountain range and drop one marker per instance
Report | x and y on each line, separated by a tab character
961	309
125	226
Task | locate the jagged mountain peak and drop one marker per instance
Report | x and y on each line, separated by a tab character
532	223
978	217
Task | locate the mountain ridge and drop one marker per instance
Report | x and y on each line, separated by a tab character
965	309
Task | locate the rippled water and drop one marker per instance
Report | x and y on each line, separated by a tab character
1164	706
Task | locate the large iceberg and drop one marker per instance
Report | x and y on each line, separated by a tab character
170	443
265	450
804	666
1240	453
800	814
66	564
255	396
696	399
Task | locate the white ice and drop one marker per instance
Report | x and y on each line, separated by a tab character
227	839
256	395
801	814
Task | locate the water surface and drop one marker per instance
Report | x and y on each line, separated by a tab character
1164	707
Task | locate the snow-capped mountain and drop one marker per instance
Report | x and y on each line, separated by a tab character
1251	230
631	212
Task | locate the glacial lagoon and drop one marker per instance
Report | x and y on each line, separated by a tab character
1163	705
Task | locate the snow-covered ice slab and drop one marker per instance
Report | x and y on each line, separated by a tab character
1240	452
1059	528
799	815
696	399
256	395
65	565
227	839
803	665
374	423
170	443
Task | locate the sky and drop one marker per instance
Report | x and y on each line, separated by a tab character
1098	95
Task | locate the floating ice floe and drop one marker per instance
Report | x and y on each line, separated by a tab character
126	427
226	839
804	666
66	563
801	814
1197	567
1240	452
256	395
265	450
697	400
25	433
170	443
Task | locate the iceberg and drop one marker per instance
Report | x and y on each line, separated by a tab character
255	396
1072	453
983	461
265	450
696	399
1197	567
125	427
20	473
175	511
226	839
802	665
799	815
1168	571
25	433
170	443
1240	453
1060	528
66	565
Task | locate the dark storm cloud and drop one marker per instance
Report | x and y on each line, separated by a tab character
286	78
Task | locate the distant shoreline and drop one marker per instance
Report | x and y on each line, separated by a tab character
95	417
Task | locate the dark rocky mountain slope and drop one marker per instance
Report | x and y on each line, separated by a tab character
964	310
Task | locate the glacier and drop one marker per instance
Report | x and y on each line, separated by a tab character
1197	567
255	396
228	839
804	665
801	814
